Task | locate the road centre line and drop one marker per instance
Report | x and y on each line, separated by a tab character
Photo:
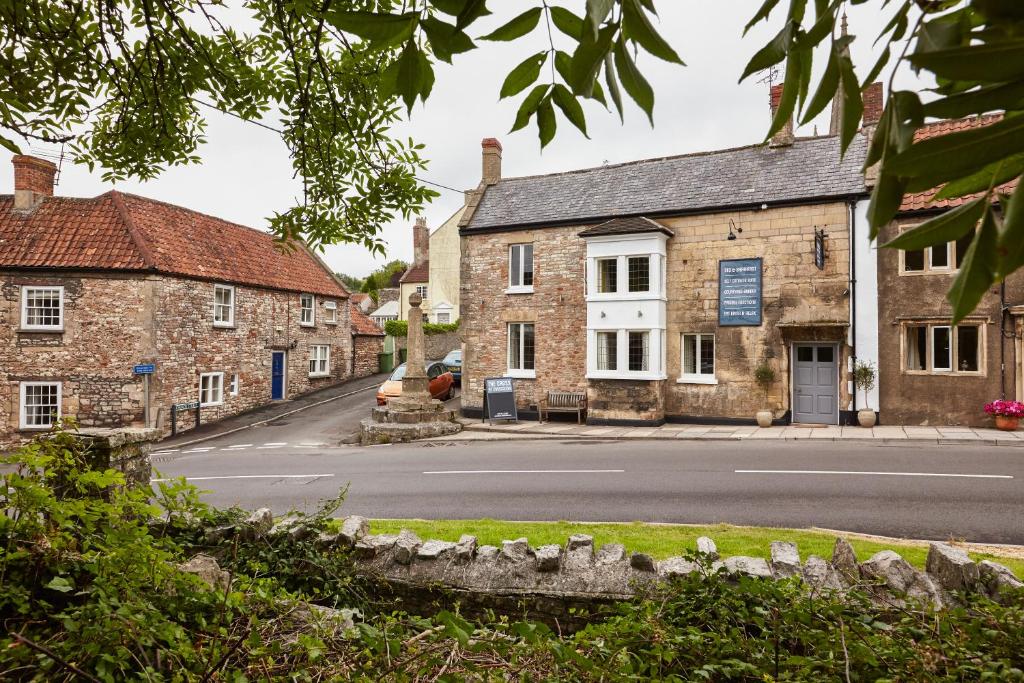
525	472
880	474
252	476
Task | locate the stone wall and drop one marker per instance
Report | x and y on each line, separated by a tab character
365	360
436	346
125	450
611	401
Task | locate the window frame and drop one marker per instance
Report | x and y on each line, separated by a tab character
234	385
220	389
231	307
331	315
314	357
522	373
423	294
303	308
629	283
950	268
954	348
646	346
520	287
22	423
698	377
597	274
614	358
447	314
59	327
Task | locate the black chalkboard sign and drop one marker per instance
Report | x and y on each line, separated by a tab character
500	399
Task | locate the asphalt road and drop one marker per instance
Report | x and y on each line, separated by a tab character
921	491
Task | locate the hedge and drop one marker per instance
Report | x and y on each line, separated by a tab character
400	328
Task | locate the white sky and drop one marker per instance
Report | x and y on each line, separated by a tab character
246	175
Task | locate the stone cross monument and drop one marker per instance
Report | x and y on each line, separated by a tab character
415	384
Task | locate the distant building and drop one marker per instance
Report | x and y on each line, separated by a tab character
386	312
416	278
363	300
435	270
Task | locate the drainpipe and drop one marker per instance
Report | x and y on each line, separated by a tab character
1002	340
853	293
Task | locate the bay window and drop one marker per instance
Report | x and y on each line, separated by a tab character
607	350
639	351
639	272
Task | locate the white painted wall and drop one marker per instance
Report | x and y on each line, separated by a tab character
866	297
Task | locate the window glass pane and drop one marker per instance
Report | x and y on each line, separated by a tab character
515	260
639	273
527	346
940	348
607	275
961	247
514	344
638	351
913	261
825	354
917	347
940	256
805	354
527	264
689	354
607	350
707	354
41	407
967	348
42	307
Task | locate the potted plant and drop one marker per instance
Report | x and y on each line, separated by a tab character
764	375
1007	414
864	379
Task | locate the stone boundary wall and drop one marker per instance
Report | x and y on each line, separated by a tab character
435	346
553	583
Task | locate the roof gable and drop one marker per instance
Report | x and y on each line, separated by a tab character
417	273
626	226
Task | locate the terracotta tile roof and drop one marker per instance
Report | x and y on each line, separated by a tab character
420	273
923	200
362	326
626	226
359	297
120	231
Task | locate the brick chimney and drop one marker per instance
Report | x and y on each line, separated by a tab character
785	136
874	103
33	181
492	161
420	242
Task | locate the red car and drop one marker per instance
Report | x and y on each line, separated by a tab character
442	383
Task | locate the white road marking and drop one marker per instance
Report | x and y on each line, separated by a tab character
253	476
199	450
167	450
237	445
276	443
310	443
525	472
882	474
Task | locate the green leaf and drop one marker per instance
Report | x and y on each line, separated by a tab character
935	160
445	39
790	91
381	30
826	88
1011	239
1006	96
761	13
567	22
586	60
452	7
529	106
613	85
885	201
516	28
473	10
772	53
993	175
9	144
570	106
636	26
946	227
525	73
61	584
978	270
853	104
633	81
597	12
410	76
546	123
989	63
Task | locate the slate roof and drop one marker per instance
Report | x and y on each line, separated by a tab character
362	326
811	168
417	273
117	231
626	226
922	201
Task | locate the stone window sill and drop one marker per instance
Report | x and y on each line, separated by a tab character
520	289
224	326
521	374
319	375
696	379
625	375
40	330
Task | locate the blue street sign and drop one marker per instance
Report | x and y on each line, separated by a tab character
145	369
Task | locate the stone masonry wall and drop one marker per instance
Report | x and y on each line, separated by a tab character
365	361
557	308
794	290
435	346
107	329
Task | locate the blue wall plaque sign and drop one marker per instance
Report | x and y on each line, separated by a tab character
739	292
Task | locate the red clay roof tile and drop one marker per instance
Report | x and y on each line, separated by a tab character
420	273
362	325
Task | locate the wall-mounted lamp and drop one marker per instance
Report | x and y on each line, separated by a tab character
732	226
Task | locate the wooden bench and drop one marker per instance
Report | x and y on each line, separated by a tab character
563	402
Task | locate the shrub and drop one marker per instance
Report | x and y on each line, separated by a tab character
400	328
764	375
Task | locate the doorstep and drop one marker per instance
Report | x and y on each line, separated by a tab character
698	432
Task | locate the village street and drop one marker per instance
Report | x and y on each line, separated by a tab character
914	490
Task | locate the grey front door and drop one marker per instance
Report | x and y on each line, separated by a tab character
815	399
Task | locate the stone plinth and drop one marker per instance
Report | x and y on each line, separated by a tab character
122	449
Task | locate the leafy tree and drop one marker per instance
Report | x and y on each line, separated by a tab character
370	285
354	284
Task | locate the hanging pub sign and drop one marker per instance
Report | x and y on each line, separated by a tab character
500	399
819	249
739	292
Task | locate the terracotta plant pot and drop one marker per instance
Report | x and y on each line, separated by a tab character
1007	423
866	417
764	418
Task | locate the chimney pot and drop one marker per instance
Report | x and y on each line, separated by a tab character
33	181
491	148
785	136
420	242
874	103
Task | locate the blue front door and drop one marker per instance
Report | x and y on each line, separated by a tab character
277	375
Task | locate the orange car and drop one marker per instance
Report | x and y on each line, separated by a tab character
442	383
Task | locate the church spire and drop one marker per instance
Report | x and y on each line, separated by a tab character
837	101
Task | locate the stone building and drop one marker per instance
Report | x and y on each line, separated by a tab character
91	287
658	286
416	278
931	372
367	344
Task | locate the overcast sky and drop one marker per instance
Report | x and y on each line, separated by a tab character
246	175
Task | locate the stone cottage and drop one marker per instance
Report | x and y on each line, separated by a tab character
92	287
658	286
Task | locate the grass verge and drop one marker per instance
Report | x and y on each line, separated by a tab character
665	540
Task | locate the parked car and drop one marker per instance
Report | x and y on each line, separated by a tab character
442	384
454	362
